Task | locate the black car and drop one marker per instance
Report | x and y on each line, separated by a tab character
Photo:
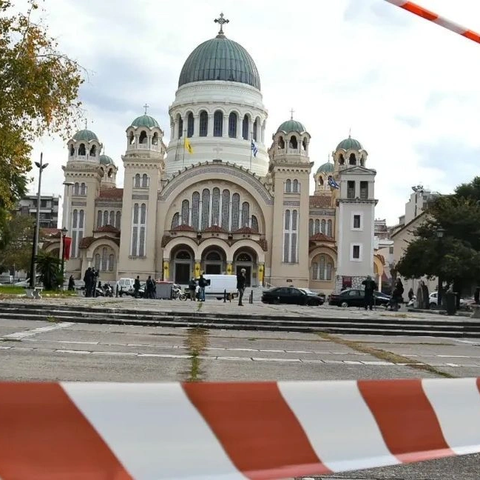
356	298
292	295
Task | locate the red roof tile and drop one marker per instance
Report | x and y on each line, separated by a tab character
183	228
321	201
246	230
111	193
321	237
216	229
87	241
108	229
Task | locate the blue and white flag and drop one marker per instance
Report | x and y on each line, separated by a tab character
254	149
332	182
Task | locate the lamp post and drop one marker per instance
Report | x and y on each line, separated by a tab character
66	223
41	166
64	234
440	232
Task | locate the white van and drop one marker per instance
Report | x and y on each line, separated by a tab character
126	284
218	284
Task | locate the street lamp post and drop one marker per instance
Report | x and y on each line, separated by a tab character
64	234
66	223
440	232
41	166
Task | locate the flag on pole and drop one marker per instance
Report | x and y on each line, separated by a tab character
254	149
188	146
66	247
332	182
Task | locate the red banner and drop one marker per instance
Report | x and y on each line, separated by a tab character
66	247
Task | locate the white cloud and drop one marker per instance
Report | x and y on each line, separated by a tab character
401	83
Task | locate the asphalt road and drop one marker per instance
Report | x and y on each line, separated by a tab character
83	352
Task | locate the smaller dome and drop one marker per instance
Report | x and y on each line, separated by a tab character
145	121
291	126
325	168
350	144
85	135
106	160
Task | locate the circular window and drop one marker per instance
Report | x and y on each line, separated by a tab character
215	256
244	257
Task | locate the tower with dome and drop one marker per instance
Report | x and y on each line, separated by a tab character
217	198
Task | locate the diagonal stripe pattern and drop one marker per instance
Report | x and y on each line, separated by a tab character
433	17
256	431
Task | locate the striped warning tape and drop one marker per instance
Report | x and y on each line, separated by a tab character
231	431
433	17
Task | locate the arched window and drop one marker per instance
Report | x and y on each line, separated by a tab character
131	138
78	228
72	150
314	271
311	227
330	228
213	256
143	226
245	127
254	223
293	142
281	143
226	209
111	262
216	206
118	218
235	211
93	151
290	235
155	139
99	219
83	189
136	181
341	159
324	226
245	214
288	186
144	180
322	268
195	210
105	218
185	212
104	259
295	186
317	226
135	223
143	137
81	150
353	159
175	220
76	189
304	144
112	219
218	124
255	129
190	125
320	181
205	208
97	262
232	125
180	127
203	123
286	237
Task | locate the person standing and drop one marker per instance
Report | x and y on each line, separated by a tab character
370	287
136	287
88	280
192	287
397	296
241	282
410	295
71	283
149	287
202	283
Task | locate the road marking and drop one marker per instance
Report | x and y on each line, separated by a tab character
36	331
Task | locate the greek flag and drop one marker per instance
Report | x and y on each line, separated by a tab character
332	182
254	149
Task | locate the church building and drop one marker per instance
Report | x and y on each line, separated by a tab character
220	196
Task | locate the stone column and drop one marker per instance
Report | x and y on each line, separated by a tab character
229	268
198	268
210	125
196	126
225	126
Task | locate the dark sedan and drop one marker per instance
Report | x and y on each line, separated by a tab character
356	298
293	296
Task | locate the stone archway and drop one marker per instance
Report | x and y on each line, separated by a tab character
246	258
214	260
183	260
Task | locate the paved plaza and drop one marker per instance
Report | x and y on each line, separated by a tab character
68	351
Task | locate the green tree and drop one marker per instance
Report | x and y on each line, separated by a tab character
38	95
48	266
16	253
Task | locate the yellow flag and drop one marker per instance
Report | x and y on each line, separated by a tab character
188	145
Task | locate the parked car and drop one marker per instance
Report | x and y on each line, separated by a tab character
433	300
354	297
292	295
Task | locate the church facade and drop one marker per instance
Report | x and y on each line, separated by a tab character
219	197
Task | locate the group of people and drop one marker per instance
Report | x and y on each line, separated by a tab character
150	287
370	287
91	279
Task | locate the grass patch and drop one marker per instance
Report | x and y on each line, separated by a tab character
384	355
196	342
52	319
11	290
251	339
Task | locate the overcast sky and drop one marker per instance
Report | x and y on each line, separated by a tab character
408	89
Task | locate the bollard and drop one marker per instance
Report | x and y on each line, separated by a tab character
225	296
250	299
116	291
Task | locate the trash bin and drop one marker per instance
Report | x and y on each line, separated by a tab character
451	302
163	290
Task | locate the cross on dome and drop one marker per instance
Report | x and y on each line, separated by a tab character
146	107
292	111
221	21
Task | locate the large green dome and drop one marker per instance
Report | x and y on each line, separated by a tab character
325	168
350	144
145	121
85	136
106	160
291	126
220	59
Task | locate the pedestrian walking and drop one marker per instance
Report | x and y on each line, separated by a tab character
136	287
202	283
397	295
410	295
88	279
71	283
370	287
192	287
149	287
241	282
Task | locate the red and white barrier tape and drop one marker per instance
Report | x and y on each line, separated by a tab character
231	431
433	17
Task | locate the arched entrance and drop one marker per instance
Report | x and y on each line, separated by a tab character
245	258
214	261
182	265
